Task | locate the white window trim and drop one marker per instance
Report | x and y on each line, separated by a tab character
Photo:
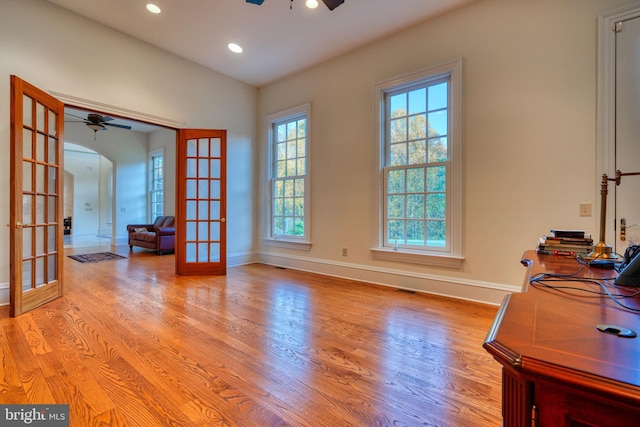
289	242
151	155
452	258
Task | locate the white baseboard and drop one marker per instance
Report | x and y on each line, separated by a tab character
471	290
241	258
4	293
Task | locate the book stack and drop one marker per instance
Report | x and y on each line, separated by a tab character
566	243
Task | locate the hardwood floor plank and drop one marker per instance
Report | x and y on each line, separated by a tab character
81	405
212	399
33	335
132	344
70	369
11	389
112	418
31	376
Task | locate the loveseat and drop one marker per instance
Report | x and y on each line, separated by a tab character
159	236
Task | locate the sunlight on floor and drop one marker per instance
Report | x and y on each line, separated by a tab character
83	240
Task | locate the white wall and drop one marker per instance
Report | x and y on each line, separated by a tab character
529	125
61	52
86	168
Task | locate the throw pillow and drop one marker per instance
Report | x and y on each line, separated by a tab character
140	229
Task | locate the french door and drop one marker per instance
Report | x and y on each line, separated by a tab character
201	202
36	235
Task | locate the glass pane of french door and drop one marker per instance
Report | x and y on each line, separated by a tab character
203	200
40	196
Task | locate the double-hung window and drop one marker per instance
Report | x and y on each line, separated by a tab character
156	184
289	223
419	167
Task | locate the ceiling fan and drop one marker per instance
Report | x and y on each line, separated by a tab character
97	122
331	4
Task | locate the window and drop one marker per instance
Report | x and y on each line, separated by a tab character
156	192
289	178
419	167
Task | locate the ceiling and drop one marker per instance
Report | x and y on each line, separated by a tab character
279	37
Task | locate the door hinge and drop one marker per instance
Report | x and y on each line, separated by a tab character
617	27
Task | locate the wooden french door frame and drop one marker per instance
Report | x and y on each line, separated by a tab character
201	232
35	220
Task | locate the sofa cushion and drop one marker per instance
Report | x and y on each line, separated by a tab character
149	237
168	221
145	236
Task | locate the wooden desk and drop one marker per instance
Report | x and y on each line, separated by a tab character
558	369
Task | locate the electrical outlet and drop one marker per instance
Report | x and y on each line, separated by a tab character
344	251
585	209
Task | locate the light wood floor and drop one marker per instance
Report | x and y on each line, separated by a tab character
131	344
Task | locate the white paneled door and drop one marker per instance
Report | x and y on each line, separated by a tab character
627	134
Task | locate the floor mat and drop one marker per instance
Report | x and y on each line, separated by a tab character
97	257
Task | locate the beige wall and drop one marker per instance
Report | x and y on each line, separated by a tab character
529	124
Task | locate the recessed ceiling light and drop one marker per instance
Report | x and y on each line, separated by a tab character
233	47
311	4
153	8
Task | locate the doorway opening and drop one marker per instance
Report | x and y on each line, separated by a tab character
111	176
88	197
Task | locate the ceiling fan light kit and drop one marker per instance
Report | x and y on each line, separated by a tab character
96	127
332	4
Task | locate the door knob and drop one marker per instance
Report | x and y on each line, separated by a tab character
19	225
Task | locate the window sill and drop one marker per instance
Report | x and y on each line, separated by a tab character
430	259
289	244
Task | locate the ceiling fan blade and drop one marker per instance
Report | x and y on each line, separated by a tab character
258	2
116	125
73	115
